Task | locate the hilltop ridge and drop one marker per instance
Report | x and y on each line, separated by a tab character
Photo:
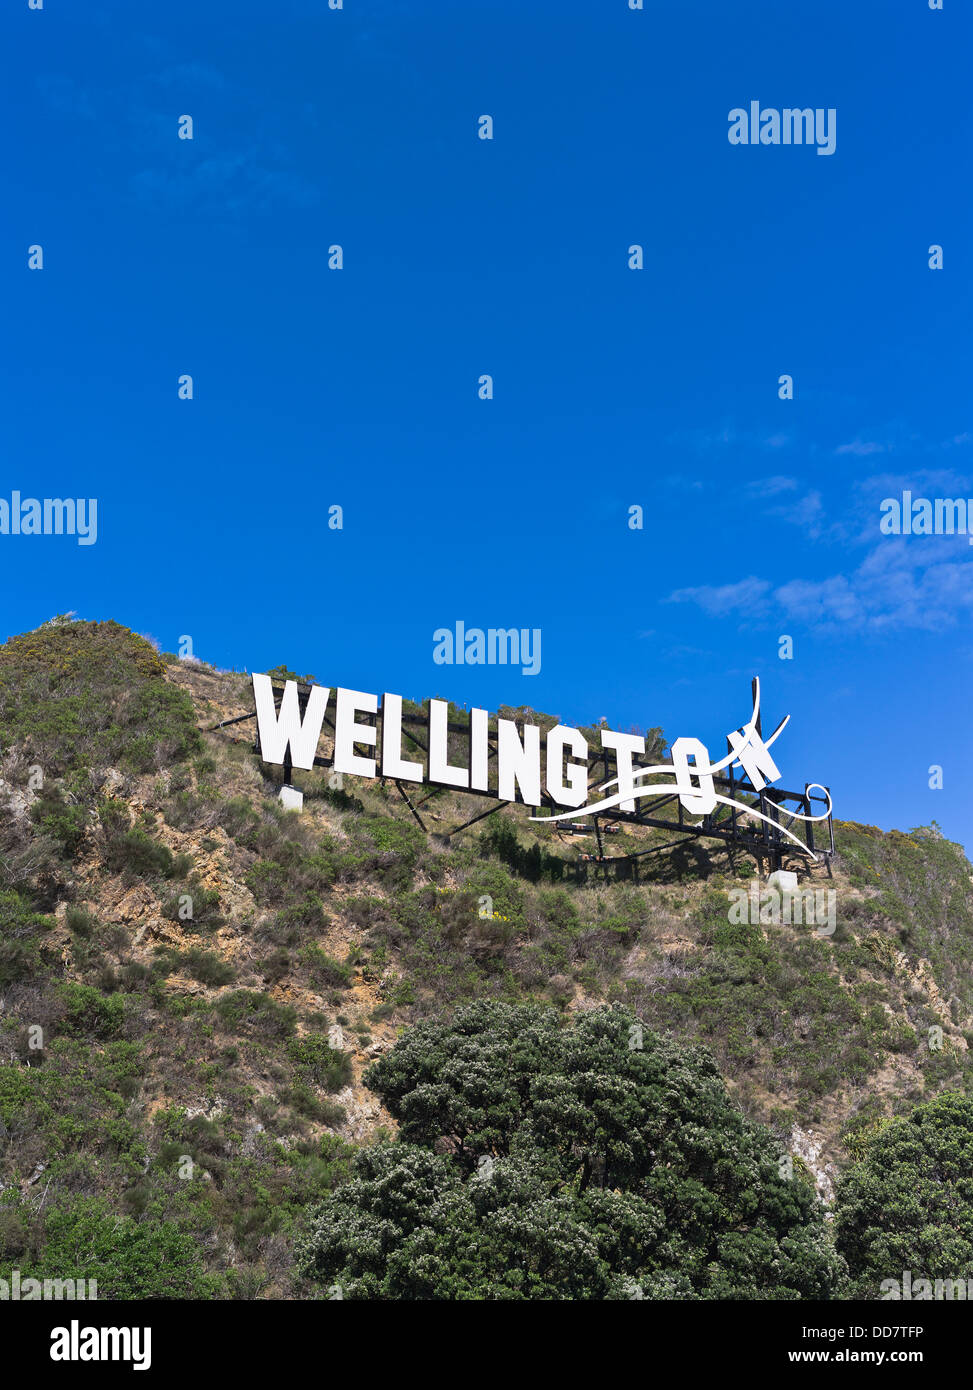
212	976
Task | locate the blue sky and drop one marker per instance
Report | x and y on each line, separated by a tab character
613	387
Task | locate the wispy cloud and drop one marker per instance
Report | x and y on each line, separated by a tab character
216	174
893	438
745	594
192	76
231	183
903	582
714	438
807	512
899	439
770	487
862	447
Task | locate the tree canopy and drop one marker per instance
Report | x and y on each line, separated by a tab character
908	1204
544	1160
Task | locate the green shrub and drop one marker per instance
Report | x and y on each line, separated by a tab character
251	1012
207	967
326	1066
80	921
332	974
20	932
79	695
203	907
88	1238
136	853
89	1013
532	863
65	821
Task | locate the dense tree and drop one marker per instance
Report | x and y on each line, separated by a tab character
908	1204
538	1160
85	1238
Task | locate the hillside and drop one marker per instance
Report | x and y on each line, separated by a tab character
194	981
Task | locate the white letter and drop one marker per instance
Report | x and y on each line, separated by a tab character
624	745
479	750
518	762
439	768
393	764
347	733
574	790
701	802
60	1344
276	733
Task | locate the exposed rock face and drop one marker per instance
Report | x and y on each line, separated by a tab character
811	1150
16	801
209	1110
362	1114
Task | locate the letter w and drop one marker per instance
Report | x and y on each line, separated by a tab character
277	732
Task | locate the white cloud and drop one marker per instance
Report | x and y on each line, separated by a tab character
861	447
903	582
726	598
769	487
